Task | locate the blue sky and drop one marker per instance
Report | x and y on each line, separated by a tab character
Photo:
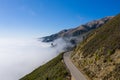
36	18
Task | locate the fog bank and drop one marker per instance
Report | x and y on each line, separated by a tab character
19	57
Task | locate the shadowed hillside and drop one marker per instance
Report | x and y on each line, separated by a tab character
98	56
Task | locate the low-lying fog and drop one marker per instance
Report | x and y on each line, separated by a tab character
19	57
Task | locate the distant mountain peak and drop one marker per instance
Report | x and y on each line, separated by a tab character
78	31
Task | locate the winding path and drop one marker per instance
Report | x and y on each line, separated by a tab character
76	74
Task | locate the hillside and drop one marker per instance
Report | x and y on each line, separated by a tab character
78	31
53	70
98	56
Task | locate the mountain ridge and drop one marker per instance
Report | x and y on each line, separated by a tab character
78	31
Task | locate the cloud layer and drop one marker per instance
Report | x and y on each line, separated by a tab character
19	57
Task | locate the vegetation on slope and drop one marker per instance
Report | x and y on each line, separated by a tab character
99	54
53	70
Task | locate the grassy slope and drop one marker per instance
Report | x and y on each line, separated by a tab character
99	54
53	70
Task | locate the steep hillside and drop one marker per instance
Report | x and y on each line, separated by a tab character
98	56
78	31
53	70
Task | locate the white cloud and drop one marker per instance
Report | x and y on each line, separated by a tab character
19	57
